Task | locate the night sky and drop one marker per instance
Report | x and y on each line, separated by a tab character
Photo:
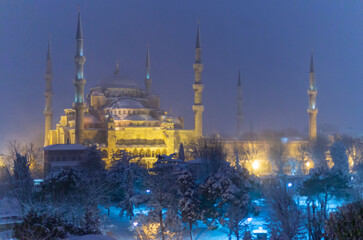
270	41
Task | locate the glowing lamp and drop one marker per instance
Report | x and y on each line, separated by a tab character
308	164
256	164
135	224
289	184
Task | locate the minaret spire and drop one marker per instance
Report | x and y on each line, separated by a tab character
239	107
198	107
48	112
312	92
148	80
117	70
312	63
79	82
197	45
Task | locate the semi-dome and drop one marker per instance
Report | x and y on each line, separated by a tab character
125	103
118	81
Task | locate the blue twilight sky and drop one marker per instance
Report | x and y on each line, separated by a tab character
270	41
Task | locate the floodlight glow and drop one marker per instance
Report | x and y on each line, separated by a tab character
135	224
249	219
290	184
308	164
148	191
256	164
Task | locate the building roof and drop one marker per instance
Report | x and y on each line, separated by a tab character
64	147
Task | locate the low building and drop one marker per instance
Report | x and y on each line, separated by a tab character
63	156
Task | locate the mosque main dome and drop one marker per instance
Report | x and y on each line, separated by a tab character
118	81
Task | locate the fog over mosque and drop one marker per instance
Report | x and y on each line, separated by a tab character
181	120
119	115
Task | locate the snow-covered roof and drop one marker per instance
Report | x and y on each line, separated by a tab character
125	103
118	81
63	147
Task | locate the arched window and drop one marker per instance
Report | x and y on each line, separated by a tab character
142	152
164	151
104	153
118	152
148	153
136	153
153	154
157	152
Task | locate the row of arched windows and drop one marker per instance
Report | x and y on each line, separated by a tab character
141	152
149	153
119	112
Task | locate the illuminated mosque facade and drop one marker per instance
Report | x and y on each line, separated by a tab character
118	114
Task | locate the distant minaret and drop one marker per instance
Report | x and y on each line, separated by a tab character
198	88
148	80
239	107
48	113
117	70
79	82
312	110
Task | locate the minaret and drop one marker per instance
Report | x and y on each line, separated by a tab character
48	113
312	110
239	107
117	70
79	82
198	88
148	80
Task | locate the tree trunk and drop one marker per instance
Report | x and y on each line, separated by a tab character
191	230
161	225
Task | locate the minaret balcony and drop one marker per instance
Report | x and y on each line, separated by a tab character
312	93
312	111
198	67
198	108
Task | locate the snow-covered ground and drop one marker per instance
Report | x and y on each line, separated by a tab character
119	226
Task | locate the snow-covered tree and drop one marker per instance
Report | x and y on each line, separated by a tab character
315	220
339	156
225	197
91	221
93	162
163	193
37	226
125	179
188	199
22	181
246	153
286	218
318	149
276	154
181	152
210	149
322	184
61	183
346	222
